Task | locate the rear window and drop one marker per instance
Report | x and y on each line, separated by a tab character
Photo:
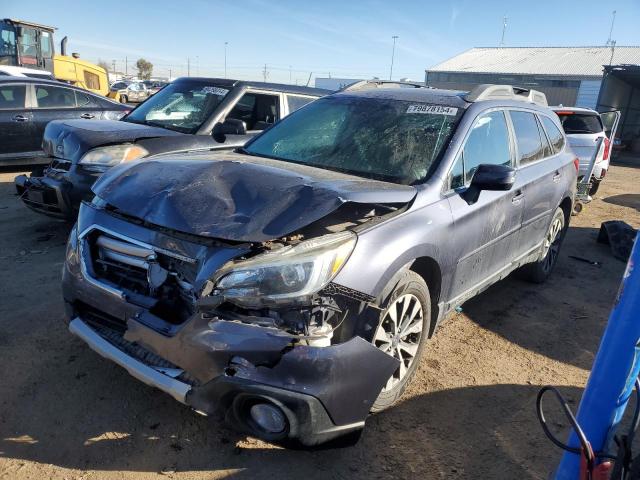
554	133
573	122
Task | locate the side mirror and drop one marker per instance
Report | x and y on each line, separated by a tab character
231	126
489	177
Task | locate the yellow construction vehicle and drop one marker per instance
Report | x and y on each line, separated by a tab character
28	44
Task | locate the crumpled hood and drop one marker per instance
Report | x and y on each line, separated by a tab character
70	139
236	197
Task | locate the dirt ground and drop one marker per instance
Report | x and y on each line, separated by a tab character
66	413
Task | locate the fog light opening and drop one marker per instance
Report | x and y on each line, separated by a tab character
268	418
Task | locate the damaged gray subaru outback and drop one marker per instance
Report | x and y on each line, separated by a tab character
290	286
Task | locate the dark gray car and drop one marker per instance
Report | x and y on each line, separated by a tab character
28	104
190	113
291	286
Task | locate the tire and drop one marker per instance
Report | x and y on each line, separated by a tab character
594	187
410	289
539	271
123	99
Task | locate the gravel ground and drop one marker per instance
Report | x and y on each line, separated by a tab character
67	413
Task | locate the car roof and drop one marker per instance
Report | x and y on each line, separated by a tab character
453	98
282	87
12	79
411	94
574	109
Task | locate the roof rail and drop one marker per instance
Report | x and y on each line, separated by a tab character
369	84
506	92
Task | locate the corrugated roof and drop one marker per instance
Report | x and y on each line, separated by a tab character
565	61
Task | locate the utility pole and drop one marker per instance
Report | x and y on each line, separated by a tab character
126	66
309	79
265	73
504	29
613	19
114	68
169	74
188	67
613	49
225	59
393	53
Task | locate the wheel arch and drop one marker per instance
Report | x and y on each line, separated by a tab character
429	269
567	206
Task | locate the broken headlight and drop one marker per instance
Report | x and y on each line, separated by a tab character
101	158
291	272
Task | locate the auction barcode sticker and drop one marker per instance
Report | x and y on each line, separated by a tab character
215	91
435	109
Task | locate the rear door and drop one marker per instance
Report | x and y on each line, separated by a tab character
540	172
54	102
16	120
486	232
610	121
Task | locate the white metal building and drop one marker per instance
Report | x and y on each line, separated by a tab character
568	75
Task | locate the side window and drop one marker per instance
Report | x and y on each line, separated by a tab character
12	96
294	102
457	172
91	80
84	100
547	151
527	137
555	135
487	142
49	96
45	44
257	111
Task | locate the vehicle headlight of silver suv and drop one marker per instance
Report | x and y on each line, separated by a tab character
289	273
101	158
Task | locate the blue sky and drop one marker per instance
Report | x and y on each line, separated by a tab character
341	38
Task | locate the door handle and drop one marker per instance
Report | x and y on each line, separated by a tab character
517	197
20	118
87	115
557	176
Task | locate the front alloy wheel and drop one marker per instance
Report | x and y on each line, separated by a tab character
399	334
402	332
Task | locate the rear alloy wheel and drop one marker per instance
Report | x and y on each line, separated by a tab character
539	271
123	99
595	185
402	333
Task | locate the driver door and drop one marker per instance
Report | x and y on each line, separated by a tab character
486	233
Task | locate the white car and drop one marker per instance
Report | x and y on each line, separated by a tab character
584	127
25	72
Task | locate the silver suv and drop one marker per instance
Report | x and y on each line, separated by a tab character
291	286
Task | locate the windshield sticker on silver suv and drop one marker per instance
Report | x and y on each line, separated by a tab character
215	91
435	109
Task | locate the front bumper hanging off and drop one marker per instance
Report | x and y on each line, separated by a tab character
325	393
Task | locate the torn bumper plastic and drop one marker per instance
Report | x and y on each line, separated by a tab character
324	393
